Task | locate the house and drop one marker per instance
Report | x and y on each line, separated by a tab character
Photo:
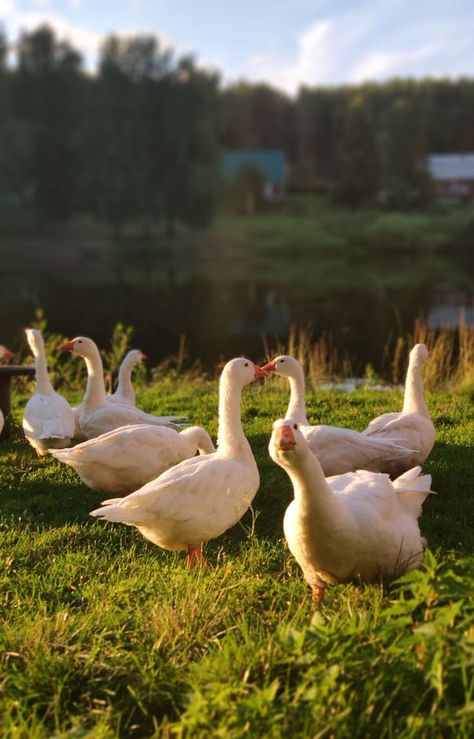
453	177
270	162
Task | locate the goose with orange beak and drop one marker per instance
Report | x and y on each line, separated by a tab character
202	497
96	415
339	450
357	527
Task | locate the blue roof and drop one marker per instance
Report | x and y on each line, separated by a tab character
271	163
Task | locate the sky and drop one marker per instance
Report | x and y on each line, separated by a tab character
285	43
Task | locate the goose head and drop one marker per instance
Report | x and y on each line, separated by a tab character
287	443
284	365
35	340
241	372
135	356
81	345
419	355
5	353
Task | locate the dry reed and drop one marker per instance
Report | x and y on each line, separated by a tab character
450	362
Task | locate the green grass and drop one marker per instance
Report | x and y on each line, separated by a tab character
308	242
104	635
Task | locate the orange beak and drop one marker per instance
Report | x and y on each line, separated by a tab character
68	346
7	352
284	439
270	367
259	371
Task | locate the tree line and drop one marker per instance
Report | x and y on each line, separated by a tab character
142	137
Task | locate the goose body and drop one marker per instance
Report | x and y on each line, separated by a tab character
48	420
125	392
204	496
95	415
359	526
413	425
339	450
126	458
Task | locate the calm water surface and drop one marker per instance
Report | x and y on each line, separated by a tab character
223	303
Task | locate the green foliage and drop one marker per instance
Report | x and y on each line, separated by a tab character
105	635
119	345
359	182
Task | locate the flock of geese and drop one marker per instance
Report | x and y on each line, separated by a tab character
357	495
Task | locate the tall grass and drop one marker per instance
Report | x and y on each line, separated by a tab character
450	361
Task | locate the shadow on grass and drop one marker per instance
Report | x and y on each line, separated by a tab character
448	518
48	502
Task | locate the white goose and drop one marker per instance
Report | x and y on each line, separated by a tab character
413	426
4	352
126	458
201	497
96	415
48	420
357	527
338	450
125	392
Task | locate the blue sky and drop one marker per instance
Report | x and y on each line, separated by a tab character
285	43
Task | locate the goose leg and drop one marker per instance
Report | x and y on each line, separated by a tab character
317	594
195	556
200	556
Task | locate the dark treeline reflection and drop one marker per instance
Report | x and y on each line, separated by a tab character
140	139
217	320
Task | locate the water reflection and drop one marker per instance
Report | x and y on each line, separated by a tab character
224	301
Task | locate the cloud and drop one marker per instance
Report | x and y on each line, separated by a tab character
376	65
374	41
257	60
7	7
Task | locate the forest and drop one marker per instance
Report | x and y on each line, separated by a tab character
142	137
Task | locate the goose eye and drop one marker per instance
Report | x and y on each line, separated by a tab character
281	361
295	426
246	364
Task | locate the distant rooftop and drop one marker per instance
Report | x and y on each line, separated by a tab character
271	163
451	166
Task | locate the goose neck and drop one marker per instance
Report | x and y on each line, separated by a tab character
313	495
43	383
95	391
230	437
414	401
124	385
296	406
